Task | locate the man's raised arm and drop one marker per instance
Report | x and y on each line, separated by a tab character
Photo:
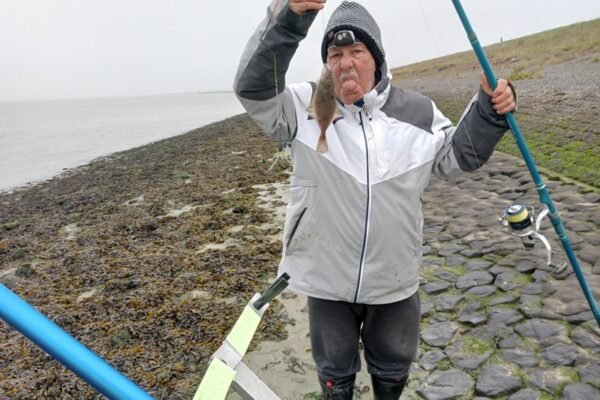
260	80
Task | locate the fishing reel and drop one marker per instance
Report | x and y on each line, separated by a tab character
521	221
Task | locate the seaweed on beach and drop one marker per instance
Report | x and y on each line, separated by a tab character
115	253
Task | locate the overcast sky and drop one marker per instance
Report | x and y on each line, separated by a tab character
101	48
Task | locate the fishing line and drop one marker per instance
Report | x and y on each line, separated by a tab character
282	154
454	104
275	78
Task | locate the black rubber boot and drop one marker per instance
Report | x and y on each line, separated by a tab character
338	389
385	389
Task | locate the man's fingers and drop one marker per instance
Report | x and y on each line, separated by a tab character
504	102
502	96
300	6
504	107
503	99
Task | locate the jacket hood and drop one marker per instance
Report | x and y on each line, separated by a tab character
354	17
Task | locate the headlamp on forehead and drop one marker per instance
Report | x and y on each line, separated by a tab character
343	38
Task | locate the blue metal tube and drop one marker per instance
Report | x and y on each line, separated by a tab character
75	356
539	183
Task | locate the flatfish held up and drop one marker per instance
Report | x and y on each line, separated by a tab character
323	107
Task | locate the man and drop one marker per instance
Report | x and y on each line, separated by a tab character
353	228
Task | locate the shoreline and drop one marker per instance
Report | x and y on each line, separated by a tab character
42	140
68	171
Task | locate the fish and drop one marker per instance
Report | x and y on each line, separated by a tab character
323	107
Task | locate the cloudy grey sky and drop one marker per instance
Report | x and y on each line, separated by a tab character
72	48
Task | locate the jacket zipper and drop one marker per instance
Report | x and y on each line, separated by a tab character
361	266
294	228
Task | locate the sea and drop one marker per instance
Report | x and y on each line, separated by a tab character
42	139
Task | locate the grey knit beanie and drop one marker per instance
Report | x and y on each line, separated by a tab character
354	17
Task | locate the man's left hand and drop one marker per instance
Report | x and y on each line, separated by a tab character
503	98
302	6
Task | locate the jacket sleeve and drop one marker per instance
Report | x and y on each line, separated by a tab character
260	80
470	144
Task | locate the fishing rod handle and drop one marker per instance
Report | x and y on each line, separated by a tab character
277	287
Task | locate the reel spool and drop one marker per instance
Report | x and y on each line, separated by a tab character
520	221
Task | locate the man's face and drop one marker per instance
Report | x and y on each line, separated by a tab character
353	69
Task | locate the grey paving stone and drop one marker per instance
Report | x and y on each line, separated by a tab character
590	372
499	269
508	281
475	278
550	380
541	275
481	244
471	253
442	385
426	308
448	302
430	228
525	266
579	318
533	288
473	318
510	342
481	291
587	337
592	197
428	251
580	391
589	254
439	334
530	306
477	265
559	354
507	298
455	260
430	360
445	275
526	394
450	249
505	316
521	357
431	260
541	330
496	380
435	287
596	268
463	360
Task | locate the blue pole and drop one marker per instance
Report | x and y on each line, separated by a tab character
75	356
539	183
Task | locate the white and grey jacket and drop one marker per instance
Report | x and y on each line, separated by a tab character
353	227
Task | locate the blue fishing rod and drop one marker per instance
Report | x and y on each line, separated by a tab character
539	183
66	349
